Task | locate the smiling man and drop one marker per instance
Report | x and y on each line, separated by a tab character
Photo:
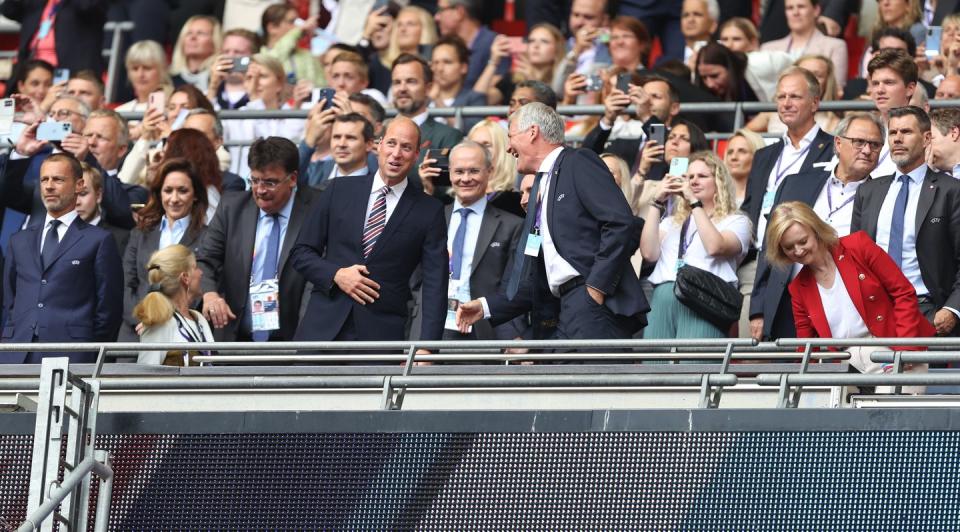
363	241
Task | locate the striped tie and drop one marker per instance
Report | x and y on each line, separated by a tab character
375	222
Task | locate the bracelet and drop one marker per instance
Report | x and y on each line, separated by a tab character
696	204
660	205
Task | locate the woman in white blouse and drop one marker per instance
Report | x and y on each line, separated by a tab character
706	231
165	314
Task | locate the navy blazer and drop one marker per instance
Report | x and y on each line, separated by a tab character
770	297
821	151
594	230
77	298
415	235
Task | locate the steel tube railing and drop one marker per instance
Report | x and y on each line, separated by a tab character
859	379
70	481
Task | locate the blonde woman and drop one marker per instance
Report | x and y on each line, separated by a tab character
414	32
197	47
541	59
501	189
146	64
621	174
739	159
706	231
164	313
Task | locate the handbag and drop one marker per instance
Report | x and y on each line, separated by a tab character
712	298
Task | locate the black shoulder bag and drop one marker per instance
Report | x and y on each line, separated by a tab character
712	298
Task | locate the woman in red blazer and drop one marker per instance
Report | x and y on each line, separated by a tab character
867	294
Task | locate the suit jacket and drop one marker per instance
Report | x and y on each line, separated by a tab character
415	235
137	254
76	298
884	298
78	30
120	235
233	182
819	44
594	230
764	161
938	230
770	297
492	262
226	258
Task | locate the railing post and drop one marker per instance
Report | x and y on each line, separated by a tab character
48	433
114	62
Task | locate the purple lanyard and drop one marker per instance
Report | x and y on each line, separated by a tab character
800	156
684	241
830	202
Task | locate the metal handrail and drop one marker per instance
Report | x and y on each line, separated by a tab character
100	465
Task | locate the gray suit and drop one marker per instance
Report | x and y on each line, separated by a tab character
136	284
492	258
226	258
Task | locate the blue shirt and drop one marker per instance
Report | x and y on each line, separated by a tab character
470	238
910	265
480	55
172	233
264	227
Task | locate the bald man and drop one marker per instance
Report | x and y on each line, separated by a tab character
363	242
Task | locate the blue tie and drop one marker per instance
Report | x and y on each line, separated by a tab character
269	270
895	249
50	244
456	262
533	208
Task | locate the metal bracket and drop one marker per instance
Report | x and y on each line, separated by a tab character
790	397
710	395
393	398
897	368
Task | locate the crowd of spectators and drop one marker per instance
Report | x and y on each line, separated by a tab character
235	194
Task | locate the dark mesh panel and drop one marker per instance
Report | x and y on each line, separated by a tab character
533	481
16	451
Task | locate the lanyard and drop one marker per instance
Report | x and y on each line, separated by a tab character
186	332
780	175
684	241
830	202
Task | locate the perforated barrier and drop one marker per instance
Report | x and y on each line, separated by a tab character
618	471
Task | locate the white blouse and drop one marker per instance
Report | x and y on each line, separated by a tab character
843	317
696	255
173	332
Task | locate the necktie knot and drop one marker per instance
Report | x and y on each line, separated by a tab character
55	224
384	191
904	179
464	212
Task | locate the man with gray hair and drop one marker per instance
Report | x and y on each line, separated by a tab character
831	193
576	242
698	21
944	152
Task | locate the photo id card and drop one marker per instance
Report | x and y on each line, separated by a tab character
457	292
265	305
532	247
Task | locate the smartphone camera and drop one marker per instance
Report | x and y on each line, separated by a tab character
442	157
594	83
240	65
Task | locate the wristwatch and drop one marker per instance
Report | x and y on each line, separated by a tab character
696	204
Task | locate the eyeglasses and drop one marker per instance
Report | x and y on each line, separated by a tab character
858	144
63	114
267	184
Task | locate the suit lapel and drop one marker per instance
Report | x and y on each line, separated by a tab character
821	143
552	190
301	206
849	276
872	203
189	237
928	193
396	218
73	235
248	233
488	228
357	212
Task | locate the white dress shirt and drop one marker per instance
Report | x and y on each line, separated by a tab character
65	221
842	315
559	270
910	265
788	163
885	165
474	220
834	205
171	233
393	196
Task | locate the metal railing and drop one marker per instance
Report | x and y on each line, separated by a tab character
99	464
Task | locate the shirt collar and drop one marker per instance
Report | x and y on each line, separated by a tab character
420	118
364	170
379	183
66	219
550	160
285	211
177	225
806	140
916	175
956	171
478	207
96	220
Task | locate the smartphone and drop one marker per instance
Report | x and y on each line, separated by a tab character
932	45
623	82
8	109
181	118
326	96
137	206
16	131
393	8
678	166
157	100
442	156
240	65
594	83
54	131
61	75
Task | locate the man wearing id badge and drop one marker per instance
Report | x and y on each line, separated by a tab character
481	240
831	194
804	146
251	292
577	239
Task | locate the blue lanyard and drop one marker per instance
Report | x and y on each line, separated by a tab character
800	156
830	202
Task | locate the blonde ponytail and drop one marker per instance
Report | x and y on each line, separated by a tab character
163	272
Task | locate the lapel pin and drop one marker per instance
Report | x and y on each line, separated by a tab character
934	220
75	263
494	244
820	146
560	197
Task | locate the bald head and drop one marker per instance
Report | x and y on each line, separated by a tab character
949	88
398	151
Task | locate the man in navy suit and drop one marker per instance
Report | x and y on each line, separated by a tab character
577	239
362	243
60	280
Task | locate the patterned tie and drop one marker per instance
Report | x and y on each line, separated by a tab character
375	222
533	211
895	248
456	262
51	243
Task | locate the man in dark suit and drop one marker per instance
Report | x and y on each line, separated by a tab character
248	244
804	146
914	215
579	235
61	277
482	240
351	144
831	194
362	243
